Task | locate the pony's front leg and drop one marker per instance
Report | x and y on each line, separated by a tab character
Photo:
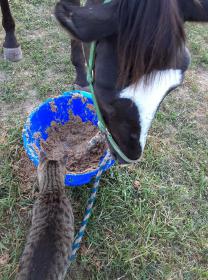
11	48
78	60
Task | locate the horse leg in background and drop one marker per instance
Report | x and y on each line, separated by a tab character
78	57
11	48
78	60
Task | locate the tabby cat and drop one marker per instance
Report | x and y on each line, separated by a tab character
51	235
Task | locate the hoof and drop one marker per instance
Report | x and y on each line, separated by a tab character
77	87
12	54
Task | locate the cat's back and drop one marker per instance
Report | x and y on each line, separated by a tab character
50	238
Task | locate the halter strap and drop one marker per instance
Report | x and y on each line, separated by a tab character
101	123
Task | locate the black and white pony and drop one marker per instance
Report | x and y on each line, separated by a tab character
140	57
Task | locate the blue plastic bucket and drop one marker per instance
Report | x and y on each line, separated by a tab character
40	120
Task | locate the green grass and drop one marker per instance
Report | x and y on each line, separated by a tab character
150	220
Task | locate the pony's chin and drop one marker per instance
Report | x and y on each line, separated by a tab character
118	159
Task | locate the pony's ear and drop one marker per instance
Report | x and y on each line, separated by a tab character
88	23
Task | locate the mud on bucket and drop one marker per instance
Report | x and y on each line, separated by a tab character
40	120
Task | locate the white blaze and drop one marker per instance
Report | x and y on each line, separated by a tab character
147	98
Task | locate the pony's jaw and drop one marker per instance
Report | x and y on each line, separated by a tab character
148	97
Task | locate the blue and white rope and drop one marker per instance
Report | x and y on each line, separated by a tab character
91	200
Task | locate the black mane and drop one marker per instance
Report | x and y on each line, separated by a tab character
150	37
